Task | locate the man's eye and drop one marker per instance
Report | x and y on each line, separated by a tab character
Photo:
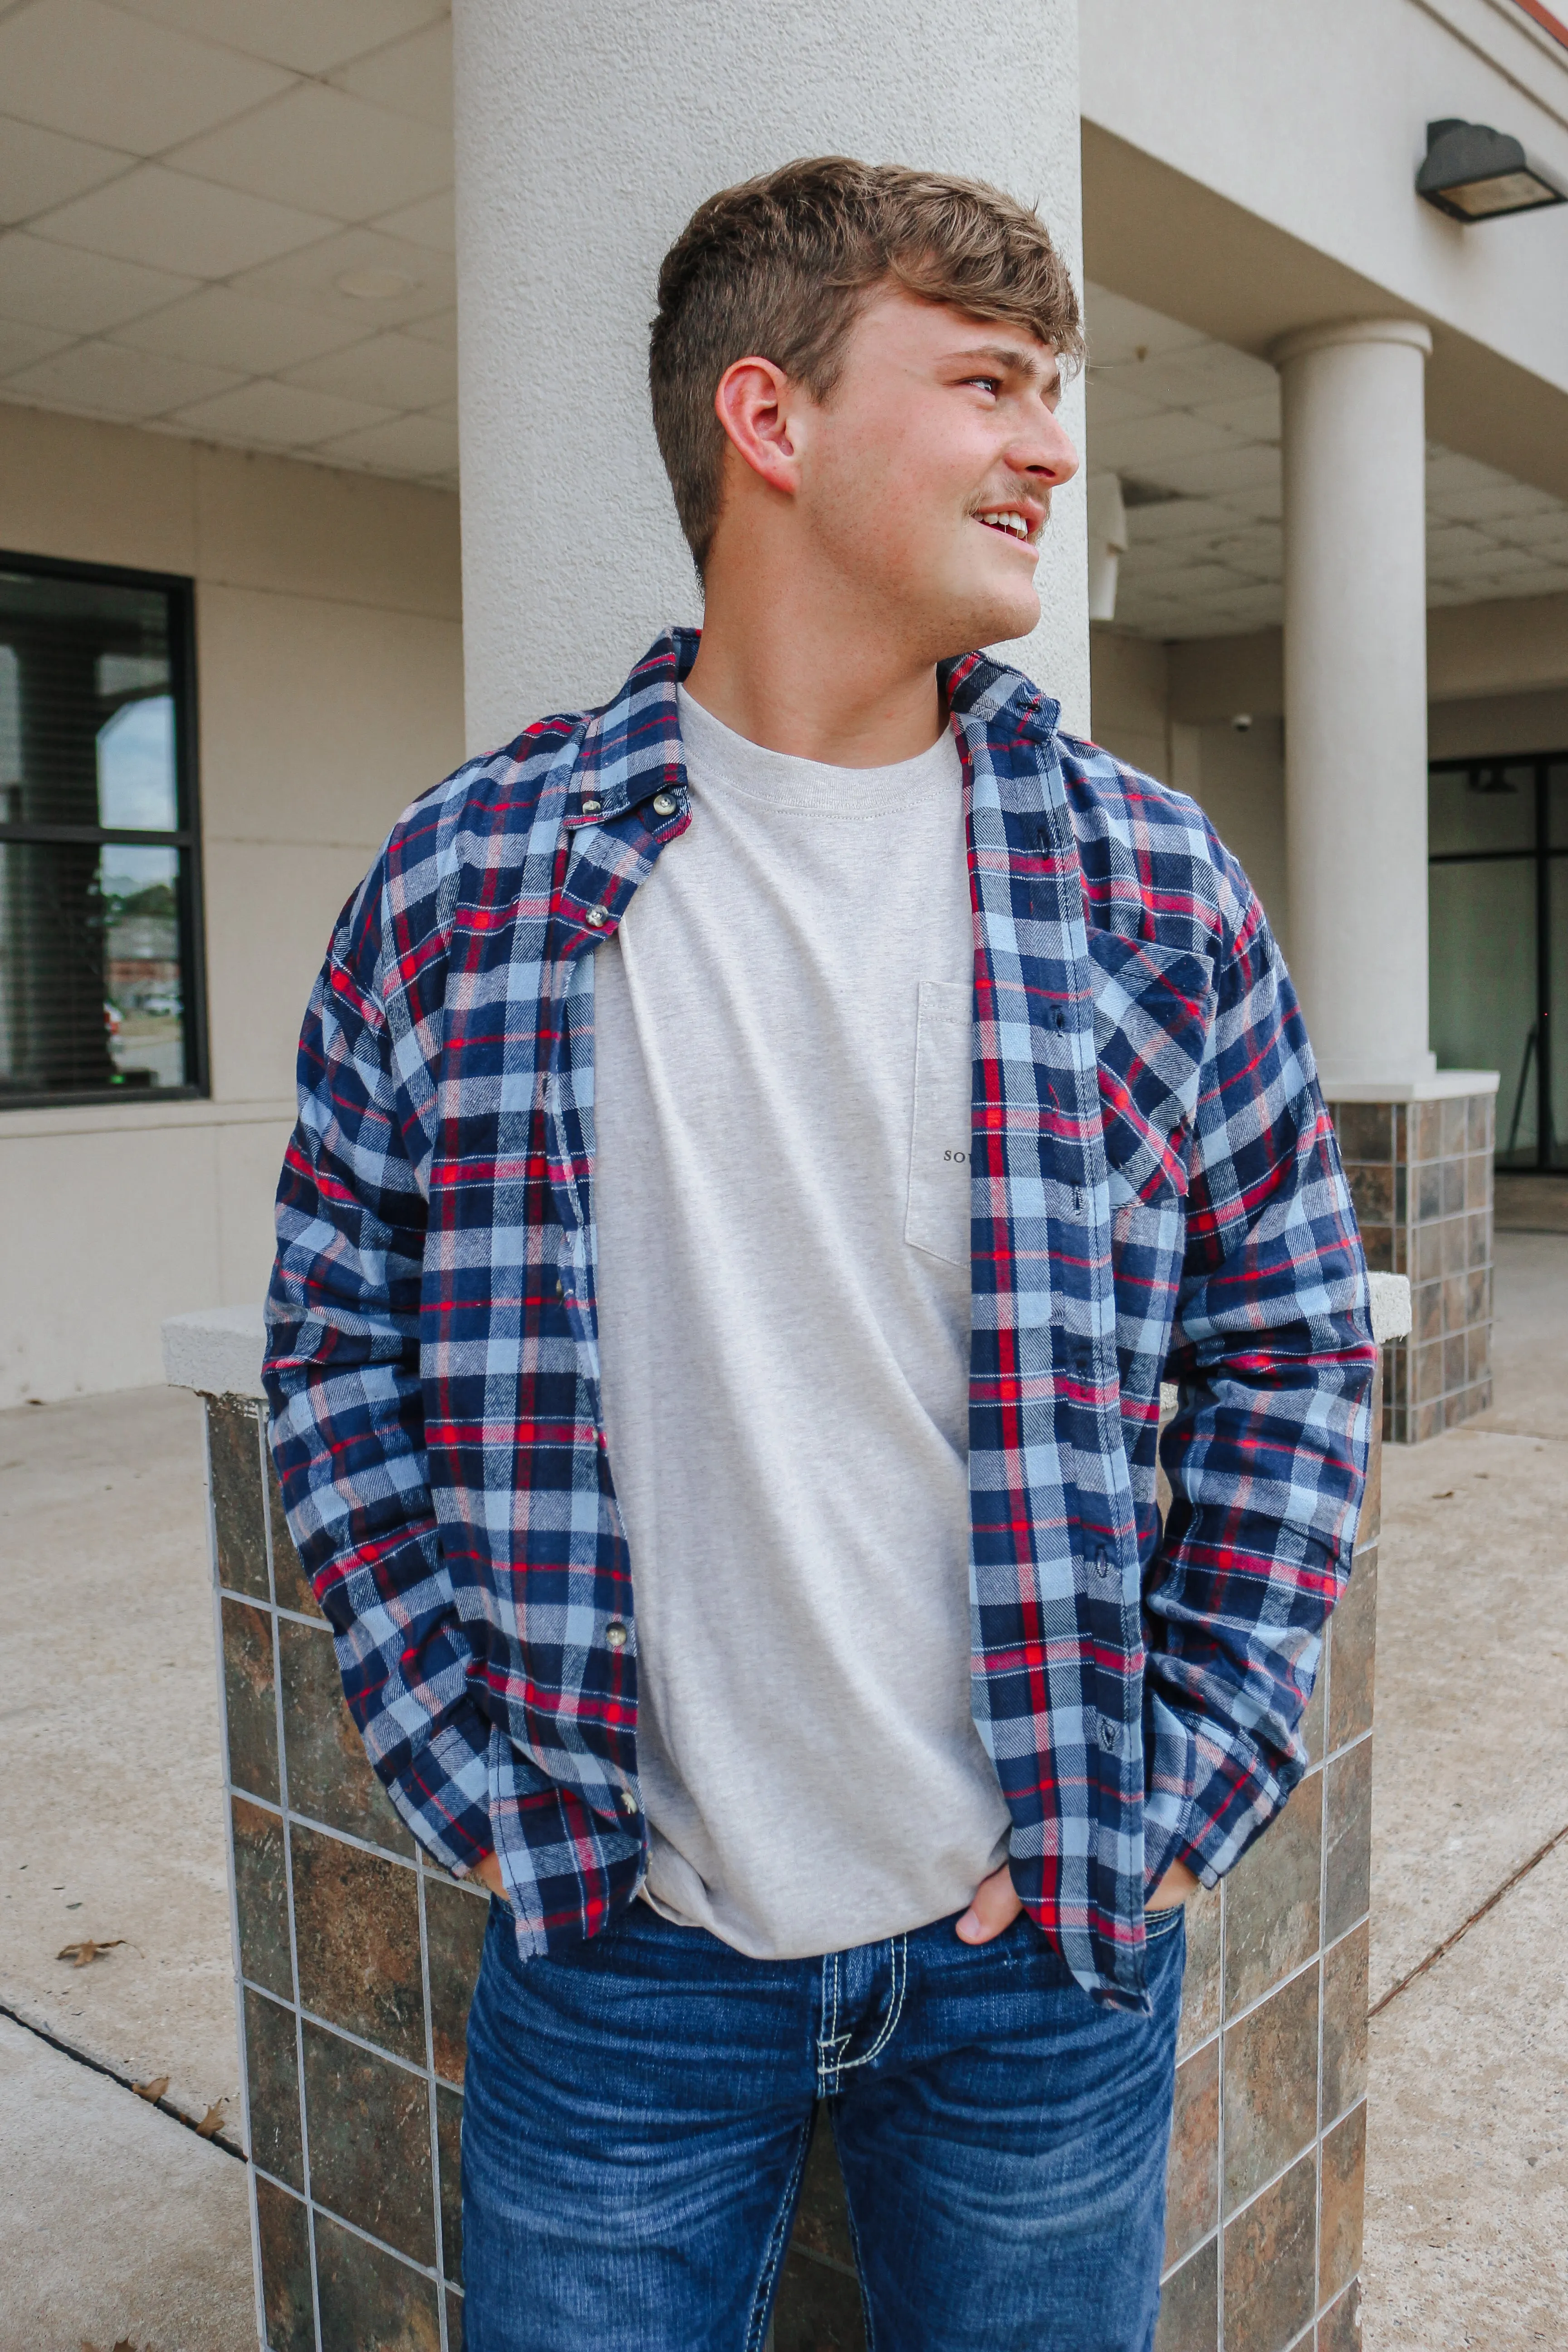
987	382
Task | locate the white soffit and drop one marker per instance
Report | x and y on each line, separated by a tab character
1192	427
184	186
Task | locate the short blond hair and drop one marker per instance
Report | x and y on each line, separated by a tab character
780	267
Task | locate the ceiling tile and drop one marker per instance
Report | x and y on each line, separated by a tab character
412	77
1221	470
311	278
432	221
1539	530
1112	400
20	346
228	330
1147	444
39	168
395	370
442	328
1254	414
107	381
1259	554
56	286
1120	329
1497	502
161	218
97	73
1263	500
410	445
1445	470
279	415
1179	519
1207	372
311	35
320	147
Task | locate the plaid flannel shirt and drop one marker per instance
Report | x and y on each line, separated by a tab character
1157	1193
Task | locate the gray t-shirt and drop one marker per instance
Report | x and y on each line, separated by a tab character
782	1094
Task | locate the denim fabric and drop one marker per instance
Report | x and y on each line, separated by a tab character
639	2107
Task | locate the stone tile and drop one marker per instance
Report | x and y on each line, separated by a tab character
1403	1181
290	1580
272	2076
356	1920
1429	1192
822	2218
1270	2264
371	2299
1453	1186
1189	2304
1425	1421
454	2321
283	2232
1352	1641
1427	1368
261	1897
449	2151
1270	2087
1344	2023
330	1776
1377	1241
1454	1125
1427	1263
1201	1983
250	1698
1456	1297
1313	1714
1478	1298
1344	2203
234	1460
1426	1312
1478	1191
1347	1830
1371	1190
1365	1130
1370	1523
455	1924
1338	2330
1477	1353
1271	1899
370	2143
1426	1131
818	2308
1192	2175
1478	1225
1454	1365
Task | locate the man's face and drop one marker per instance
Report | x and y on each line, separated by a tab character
926	479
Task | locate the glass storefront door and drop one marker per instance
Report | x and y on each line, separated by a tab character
1498	839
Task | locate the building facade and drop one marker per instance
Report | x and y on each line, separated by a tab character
269	273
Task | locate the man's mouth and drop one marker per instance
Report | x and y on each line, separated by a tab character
1009	520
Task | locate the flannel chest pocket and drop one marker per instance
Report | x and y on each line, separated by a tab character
1153	1011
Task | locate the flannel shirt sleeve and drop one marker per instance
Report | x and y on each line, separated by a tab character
342	1371
1273	1357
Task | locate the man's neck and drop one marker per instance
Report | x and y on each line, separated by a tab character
791	689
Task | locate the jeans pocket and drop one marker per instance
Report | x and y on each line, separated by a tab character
1163	1922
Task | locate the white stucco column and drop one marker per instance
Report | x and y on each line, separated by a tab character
1355	693
585	138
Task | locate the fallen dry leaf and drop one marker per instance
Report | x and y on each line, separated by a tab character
212	2121
154	2090
83	1955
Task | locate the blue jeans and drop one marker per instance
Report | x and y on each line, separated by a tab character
638	2112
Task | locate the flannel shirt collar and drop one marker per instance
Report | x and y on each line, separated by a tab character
631	748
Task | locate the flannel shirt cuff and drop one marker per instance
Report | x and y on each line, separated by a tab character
444	1793
1211	1798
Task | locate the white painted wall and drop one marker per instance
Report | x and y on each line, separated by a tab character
585	138
329	673
1313	119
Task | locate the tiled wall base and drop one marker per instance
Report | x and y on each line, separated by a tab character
1421	1176
356	1959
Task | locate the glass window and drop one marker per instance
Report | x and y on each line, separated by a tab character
99	883
1479	808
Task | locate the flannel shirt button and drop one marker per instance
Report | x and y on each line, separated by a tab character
560	1287
596	918
628	1802
663	803
592	808
1107	1734
616	1634
1102	1566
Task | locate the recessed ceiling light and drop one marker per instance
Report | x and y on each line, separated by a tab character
375	285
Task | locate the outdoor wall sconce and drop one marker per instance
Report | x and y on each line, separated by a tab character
1473	173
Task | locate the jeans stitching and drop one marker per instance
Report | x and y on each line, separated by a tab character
900	1958
777	2240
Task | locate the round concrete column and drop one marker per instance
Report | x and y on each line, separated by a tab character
1355	691
585	139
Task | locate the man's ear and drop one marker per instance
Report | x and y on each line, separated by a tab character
754	403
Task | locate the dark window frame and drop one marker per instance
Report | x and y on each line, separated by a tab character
1539	851
187	836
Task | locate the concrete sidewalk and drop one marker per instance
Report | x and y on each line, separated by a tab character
120	2223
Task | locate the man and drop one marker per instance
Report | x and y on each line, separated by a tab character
762	1144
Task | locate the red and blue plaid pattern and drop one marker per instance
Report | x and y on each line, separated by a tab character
1156	1194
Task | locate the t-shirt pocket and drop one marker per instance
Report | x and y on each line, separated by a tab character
937	1218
